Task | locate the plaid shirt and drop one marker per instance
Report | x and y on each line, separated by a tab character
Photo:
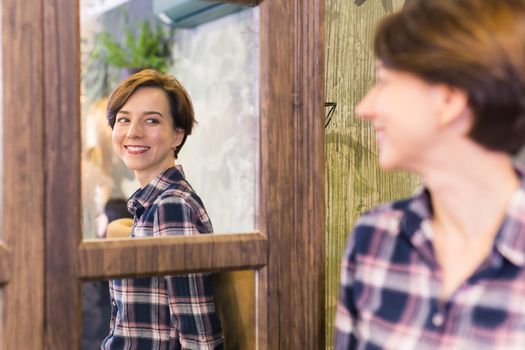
165	312
389	297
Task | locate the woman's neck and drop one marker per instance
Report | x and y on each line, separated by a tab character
470	189
144	177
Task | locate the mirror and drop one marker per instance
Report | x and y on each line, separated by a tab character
213	50
234	293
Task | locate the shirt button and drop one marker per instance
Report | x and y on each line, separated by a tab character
438	319
202	338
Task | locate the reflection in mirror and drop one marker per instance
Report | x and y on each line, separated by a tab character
234	299
213	52
96	313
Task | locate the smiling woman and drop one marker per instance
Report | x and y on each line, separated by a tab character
151	115
149	128
443	269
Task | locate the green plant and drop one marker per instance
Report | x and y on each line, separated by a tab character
144	46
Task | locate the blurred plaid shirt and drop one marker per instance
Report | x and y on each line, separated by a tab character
389	297
165	312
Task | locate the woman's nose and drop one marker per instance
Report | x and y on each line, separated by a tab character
365	109
134	130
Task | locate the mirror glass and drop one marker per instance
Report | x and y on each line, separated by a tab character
212	48
234	293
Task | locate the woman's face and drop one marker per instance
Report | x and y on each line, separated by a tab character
404	112
143	134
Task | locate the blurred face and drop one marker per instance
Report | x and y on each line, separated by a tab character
143	134
403	110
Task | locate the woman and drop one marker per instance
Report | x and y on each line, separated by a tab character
444	269
151	115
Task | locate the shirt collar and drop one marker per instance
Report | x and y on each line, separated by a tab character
509	242
418	210
145	196
415	224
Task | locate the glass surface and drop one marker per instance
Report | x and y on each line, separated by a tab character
234	293
96	313
217	62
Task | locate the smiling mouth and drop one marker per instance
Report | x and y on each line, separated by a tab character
136	149
379	136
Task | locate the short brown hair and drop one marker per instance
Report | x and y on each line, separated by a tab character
181	107
477	46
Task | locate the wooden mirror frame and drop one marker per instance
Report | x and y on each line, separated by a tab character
44	259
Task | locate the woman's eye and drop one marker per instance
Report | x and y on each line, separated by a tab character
152	121
121	120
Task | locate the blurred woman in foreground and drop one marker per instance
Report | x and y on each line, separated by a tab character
444	269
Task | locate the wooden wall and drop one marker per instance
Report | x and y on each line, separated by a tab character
22	249
353	180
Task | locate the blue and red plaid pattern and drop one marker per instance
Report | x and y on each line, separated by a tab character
165	312
389	297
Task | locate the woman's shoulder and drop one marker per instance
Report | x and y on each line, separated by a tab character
180	203
384	215
180	193
383	221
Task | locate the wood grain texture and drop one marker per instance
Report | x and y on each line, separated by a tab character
292	99
23	196
62	183
23	178
168	255
5	273
354	183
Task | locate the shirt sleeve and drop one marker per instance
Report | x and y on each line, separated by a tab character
346	311
191	297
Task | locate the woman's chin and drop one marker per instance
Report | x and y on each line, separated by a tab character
388	163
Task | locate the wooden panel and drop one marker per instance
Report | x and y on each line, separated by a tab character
23	178
62	154
5	274
167	255
4	264
354	182
292	96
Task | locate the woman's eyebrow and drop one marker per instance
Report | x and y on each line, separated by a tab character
144	113
153	112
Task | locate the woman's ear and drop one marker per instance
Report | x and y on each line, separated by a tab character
179	136
454	113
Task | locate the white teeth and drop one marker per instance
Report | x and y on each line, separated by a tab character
136	148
